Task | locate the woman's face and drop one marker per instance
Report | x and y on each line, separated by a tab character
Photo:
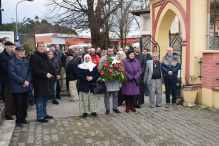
119	55
131	55
87	59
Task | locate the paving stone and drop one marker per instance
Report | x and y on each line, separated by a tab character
179	126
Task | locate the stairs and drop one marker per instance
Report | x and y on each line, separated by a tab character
6	127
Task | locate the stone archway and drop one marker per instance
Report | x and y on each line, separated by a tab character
163	14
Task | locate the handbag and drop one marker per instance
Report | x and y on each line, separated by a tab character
99	87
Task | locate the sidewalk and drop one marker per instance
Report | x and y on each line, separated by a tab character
179	126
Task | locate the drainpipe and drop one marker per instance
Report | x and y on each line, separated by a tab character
209	17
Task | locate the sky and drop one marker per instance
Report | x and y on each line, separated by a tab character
25	9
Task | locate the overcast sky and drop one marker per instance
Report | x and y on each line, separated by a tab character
25	9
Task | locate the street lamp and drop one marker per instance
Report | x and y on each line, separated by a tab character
16	14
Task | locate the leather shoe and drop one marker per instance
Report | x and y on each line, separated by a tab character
55	102
127	110
84	115
94	114
42	120
116	111
48	117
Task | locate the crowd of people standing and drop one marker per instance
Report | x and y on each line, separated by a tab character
40	74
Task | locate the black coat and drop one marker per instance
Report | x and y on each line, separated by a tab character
84	85
40	66
4	60
72	71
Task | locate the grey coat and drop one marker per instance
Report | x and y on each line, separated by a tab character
149	72
110	85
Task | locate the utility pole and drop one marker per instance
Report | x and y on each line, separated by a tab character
1	13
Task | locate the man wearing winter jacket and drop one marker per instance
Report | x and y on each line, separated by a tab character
5	56
19	83
42	75
170	67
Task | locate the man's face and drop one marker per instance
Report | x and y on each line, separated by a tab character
10	48
145	52
50	55
20	53
41	48
137	50
57	48
88	50
126	49
155	57
76	53
92	51
110	52
170	52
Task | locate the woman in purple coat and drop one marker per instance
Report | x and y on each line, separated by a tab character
131	88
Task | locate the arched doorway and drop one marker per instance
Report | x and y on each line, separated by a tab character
162	23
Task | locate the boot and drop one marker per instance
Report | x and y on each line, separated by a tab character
127	109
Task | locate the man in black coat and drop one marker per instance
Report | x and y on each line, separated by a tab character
5	56
42	75
140	98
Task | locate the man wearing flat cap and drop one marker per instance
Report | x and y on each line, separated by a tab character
5	56
19	83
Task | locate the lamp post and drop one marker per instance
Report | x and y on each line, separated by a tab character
16	14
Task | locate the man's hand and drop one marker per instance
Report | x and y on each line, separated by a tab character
26	84
48	75
58	77
170	73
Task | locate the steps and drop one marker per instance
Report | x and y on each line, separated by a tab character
6	127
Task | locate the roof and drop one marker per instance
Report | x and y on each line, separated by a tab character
139	12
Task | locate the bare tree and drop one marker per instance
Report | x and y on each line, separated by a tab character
83	15
122	20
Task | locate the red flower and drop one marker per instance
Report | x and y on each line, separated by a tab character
105	64
116	65
121	63
102	73
110	70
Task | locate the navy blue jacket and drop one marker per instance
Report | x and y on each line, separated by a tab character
19	71
4	59
72	70
84	85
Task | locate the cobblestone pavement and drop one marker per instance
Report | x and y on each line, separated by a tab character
147	127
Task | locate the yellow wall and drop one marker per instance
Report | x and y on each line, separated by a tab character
198	34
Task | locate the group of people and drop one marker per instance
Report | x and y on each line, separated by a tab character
43	70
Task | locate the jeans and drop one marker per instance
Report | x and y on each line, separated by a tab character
30	95
53	90
41	107
146	90
114	98
170	85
